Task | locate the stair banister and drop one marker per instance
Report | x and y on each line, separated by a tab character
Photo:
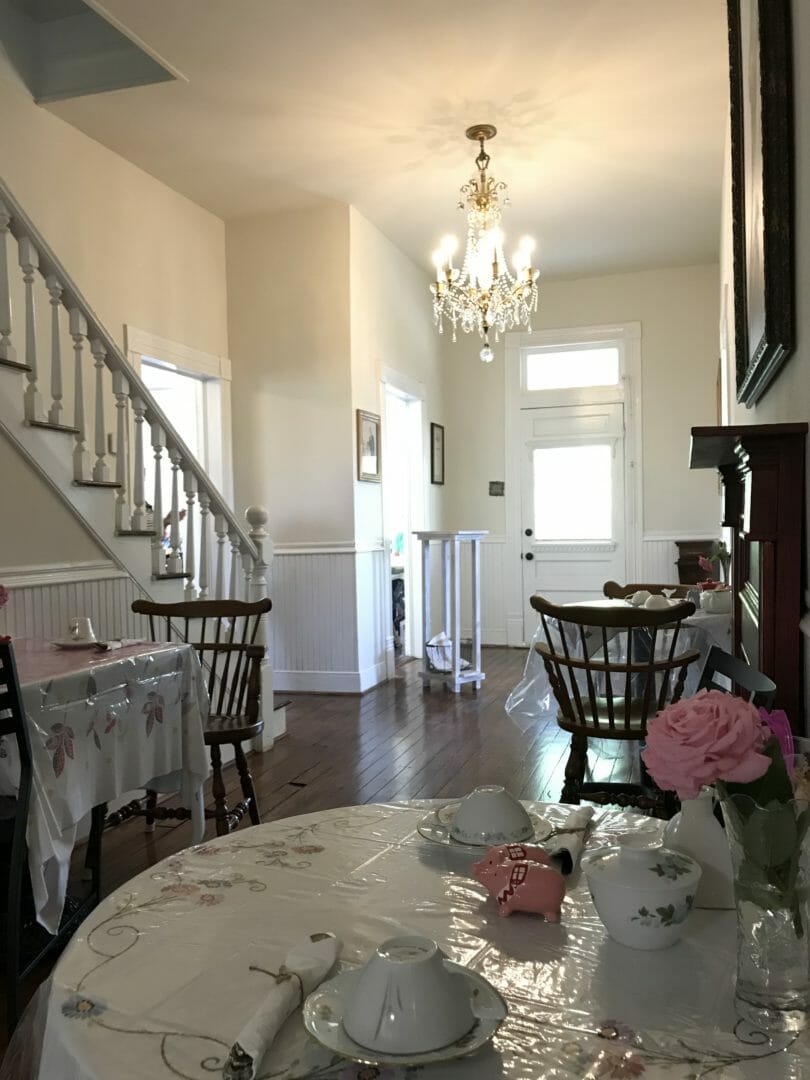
35	254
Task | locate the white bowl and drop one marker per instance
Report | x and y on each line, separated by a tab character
638	599
491	815
716	601
407	1001
656	602
642	891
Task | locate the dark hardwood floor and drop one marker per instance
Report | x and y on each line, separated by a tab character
395	742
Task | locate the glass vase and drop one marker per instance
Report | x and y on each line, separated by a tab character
771	860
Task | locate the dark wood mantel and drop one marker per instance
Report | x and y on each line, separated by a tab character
762	468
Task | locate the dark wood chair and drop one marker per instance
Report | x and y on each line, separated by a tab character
25	942
224	634
614	591
744	680
611	669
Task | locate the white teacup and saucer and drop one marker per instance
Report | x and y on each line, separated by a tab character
488	816
80	635
409	1005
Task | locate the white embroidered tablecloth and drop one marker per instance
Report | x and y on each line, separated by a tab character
162	976
102	725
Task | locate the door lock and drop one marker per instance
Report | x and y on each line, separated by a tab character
528	556
529	532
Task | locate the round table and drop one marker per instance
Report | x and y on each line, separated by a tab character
157	982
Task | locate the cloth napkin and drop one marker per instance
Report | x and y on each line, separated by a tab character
566	844
118	643
306	966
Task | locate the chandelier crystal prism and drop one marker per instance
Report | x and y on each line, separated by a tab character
482	294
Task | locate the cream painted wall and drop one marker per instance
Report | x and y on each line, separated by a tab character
679	314
288	317
37	529
140	253
392	326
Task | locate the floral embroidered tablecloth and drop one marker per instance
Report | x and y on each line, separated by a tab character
160	978
102	725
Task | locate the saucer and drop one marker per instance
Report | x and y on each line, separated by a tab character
72	643
323	1019
435	826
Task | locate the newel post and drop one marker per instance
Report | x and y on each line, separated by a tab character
257	517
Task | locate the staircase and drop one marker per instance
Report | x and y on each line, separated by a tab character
57	410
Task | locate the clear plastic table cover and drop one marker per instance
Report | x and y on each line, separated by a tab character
532	698
161	977
102	725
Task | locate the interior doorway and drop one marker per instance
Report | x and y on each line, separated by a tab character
403	510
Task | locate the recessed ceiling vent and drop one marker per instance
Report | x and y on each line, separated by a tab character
68	48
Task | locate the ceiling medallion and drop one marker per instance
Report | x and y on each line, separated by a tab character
483	295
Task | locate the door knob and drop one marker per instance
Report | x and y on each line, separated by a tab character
530	532
528	556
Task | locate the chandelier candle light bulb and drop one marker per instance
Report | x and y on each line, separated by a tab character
484	295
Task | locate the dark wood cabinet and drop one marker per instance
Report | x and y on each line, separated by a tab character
762	469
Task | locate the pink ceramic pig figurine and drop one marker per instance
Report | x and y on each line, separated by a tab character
514	853
521	884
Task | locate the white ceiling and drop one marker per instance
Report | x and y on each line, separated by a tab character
611	116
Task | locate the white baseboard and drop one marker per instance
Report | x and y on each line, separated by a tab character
329	682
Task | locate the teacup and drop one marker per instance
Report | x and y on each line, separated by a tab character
407	1001
489	816
81	629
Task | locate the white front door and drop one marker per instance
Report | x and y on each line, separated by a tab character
572	503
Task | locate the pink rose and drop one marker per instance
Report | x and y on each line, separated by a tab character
711	736
3	596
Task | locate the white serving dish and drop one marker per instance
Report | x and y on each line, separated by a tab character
716	601
643	892
491	815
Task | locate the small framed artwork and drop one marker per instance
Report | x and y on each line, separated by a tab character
369	448
437	453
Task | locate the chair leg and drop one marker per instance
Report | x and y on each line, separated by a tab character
248	790
149	816
218	791
575	768
14	925
93	857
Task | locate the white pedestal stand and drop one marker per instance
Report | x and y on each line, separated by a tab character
451	606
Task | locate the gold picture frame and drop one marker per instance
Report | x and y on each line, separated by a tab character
369	447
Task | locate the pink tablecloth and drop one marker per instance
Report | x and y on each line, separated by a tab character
102	725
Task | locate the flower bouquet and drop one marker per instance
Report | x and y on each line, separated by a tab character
720	556
763	787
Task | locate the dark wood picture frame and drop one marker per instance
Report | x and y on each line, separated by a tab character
762	191
437	453
369	447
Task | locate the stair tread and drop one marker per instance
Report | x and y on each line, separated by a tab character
53	427
96	483
15	365
135	532
169	577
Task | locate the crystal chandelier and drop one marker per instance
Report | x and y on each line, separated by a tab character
483	295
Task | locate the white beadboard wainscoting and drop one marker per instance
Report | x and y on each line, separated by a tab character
43	600
331	618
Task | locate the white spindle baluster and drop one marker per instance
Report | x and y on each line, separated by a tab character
99	352
7	350
174	564
54	286
121	391
257	518
158	557
221	529
205	529
190	488
236	562
29	262
247	570
138	522
78	331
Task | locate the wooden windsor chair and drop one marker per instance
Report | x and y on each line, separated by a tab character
24	942
738	678
587	651
224	634
614	591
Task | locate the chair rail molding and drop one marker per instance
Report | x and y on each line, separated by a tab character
14	577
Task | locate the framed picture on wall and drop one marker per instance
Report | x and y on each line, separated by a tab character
761	191
437	453
369	447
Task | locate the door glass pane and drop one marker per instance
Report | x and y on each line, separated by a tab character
558	370
573	492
